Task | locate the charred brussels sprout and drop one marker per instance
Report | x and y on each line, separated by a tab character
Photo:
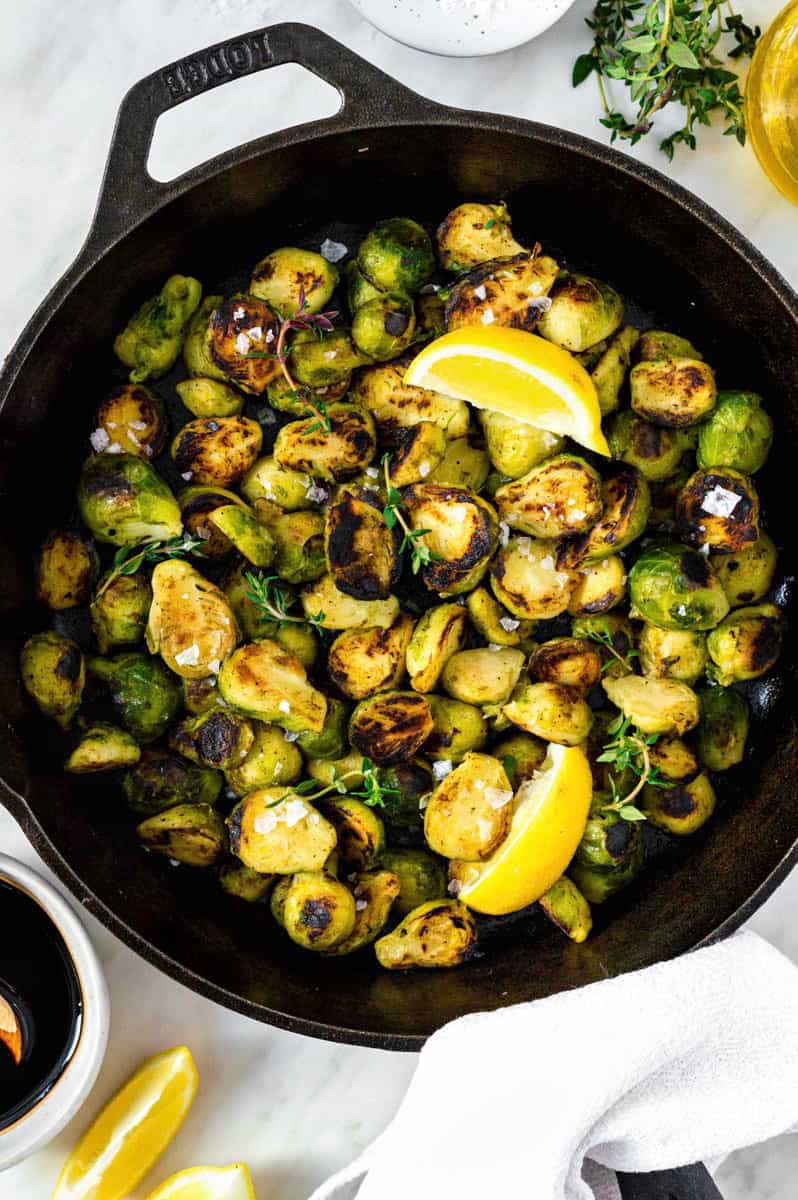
191	624
66	567
654	705
375	893
470	811
747	575
746	644
338	453
289	278
160	780
384	327
438	635
365	661
145	694
575	662
390	727
396	405
561	496
196	355
217	738
299	546
103	747
331	741
609	371
656	343
599	587
249	537
361	833
521	755
53	673
209	398
418	451
718	509
493	622
440	933
608	857
474	233
526	580
196	506
396	256
460	529
738	434
676	588
723	728
673	391
673	759
275	831
507	291
514	446
653	449
583	311
484	676
672	653
219	450
130	419
421	878
567	908
119	611
240	337
321	362
361	550
150	342
317	911
340	611
552	711
267	480
264	681
271	761
681	809
200	695
123	500
458	728
626	501
192	834
244	883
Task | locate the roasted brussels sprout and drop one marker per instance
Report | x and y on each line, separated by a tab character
359	290
608	857
672	653
747	576
560	496
365	661
673	759
196	355
119	611
145	694
656	343
267	480
323	361
654	705
421	878
192	834
102	747
348	446
514	446
673	391
438	635
271	761
160	780
240	338
200	695
409	785
244	883
599	587
252	619
290	280
53	673
464	465
249	537
525	579
375	893
551	711
287	399
613	630
738	434
361	833
567	908
460	530
583	311
331	741
718	509
484	676
277	899
317	910
275	831
440	933
418	450
219	738
385	326
123	501
326	772
654	450
344	612
470	811
722	731
575	662
395	405
396	256
458	729
474	233
746	644
391	726
196	505
609	371
493	622
521	755
506	291
191	624
150	342
676	588
626	500
209	398
218	450
299	546
681	809
361	550
130	420
664	495
264	681
66	567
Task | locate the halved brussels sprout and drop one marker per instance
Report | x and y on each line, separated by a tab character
200	695
396	256
747	576
440	933
610	629
150	342
271	761
676	588
738	434
627	501
723	728
551	711
54	675
361	833
656	343
348	446
265	681
609	371
583	311
561	496
209	398
718	509
654	450
331	742
317	910
359	290
267	480
191	624
123	500
195	347
464	465
474	233
287	399
196	505
681	809
375	893
385	326
746	644
673	760
103	747
365	661
672	653
217	450
329	771
119	611
66	567
575	662
494	623
608	857
131	420
458	729
251	539
344	612
391	726
438	635
505	291
600	586
526	580
244	883
654	705
299	542
274	831
460	530
421	878
395	405
145	694
240	340
673	391
514	446
160	780
470	811
288	277
484	676
361	550
419	449
323	360
567	908
192	834
219	738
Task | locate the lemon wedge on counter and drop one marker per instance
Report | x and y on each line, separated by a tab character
550	812
132	1131
207	1183
517	374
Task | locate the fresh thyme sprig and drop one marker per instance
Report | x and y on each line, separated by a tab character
665	52
372	790
128	559
604	638
392	514
629	750
267	594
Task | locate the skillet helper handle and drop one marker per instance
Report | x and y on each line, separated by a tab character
683	1183
129	193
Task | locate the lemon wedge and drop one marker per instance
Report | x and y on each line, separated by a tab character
207	1183
515	373
132	1131
550	812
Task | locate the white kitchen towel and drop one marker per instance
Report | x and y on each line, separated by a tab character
682	1062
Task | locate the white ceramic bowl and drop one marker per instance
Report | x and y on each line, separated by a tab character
42	1122
462	28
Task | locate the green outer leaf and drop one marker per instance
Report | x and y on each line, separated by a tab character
641	45
680	54
584	66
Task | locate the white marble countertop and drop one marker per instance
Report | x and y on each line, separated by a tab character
294	1109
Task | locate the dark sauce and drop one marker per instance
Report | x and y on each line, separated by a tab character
39	982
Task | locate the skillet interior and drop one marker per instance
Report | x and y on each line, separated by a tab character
657	253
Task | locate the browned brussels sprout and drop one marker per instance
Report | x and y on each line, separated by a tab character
493	622
396	405
746	644
390	727
132	420
470	811
318	912
458	729
747	575
123	501
209	398
218	451
374	893
385	326
299	546
145	694
460	531
438	635
241	337
53	673
474	233
673	391
681	809
245	532
264	681
197	503
271	760
672	653
609	371
600	586
551	711
324	360
361	550
267	480
656	343
440	933
244	883
465	464
421	878
338	453
521	755
273	830
526	579
514	447
654	450
676	588
119	611
575	662
331	742
365	661
192	834
344	612
218	738
200	695
150	342
66	567
191	624
616	635
627	502
102	747
484	676
561	496
718	509
567	908
506	291
160	780
196	353
290	278
396	256
723	728
418	450
361	833
608	857
583	311
673	760
654	705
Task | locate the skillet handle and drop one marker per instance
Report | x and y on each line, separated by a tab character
683	1183
129	193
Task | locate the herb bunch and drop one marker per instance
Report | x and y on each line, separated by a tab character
372	791
629	750
392	514
128	559
267	593
667	52
299	321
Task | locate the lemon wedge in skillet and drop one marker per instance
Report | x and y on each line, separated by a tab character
207	1183
517	374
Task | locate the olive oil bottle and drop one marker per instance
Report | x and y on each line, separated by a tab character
771	102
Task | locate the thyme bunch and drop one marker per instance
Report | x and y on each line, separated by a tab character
372	791
128	559
629	750
267	593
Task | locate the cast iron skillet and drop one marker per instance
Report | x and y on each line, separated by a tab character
386	151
